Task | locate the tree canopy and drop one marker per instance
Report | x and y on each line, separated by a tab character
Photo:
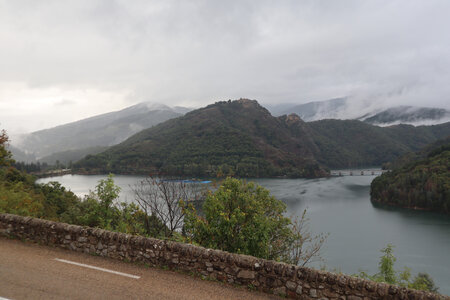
243	217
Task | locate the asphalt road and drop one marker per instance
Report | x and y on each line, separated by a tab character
31	271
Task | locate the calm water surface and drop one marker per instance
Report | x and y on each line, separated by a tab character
341	207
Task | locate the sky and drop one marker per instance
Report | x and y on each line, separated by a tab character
62	61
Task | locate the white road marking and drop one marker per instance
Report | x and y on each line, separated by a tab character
97	268
1	298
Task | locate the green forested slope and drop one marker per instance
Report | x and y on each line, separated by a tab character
226	138
351	143
241	138
20	195
420	181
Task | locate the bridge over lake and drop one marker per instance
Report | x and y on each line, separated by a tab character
366	172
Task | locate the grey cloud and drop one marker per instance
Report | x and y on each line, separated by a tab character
180	52
65	102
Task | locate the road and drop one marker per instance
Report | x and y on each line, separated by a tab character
31	271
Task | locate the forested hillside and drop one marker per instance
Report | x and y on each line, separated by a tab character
419	181
351	143
242	138
226	138
20	195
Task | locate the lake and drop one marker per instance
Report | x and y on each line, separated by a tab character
341	207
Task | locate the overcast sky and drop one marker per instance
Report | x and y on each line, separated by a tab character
62	61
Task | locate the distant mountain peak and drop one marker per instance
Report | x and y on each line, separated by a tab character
244	102
155	106
293	119
239	104
247	102
251	104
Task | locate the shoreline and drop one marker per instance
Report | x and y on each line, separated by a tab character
413	208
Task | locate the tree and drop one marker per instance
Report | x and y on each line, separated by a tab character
5	155
164	198
18	194
97	208
386	273
57	200
107	192
305	247
423	281
244	218
101	209
386	265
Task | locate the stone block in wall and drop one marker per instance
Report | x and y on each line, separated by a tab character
299	289
268	266
342	280
246	274
279	269
292	286
382	289
330	294
245	261
312	276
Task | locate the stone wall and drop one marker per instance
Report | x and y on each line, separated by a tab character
269	276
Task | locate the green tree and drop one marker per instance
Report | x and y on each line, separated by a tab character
97	209
57	201
386	273
100	209
5	155
107	192
386	265
18	194
244	218
423	281
17	198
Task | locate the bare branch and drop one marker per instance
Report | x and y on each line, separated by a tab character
305	247
162	197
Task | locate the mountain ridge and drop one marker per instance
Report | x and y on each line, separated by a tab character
344	108
239	134
97	131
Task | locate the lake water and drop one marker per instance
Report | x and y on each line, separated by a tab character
341	207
